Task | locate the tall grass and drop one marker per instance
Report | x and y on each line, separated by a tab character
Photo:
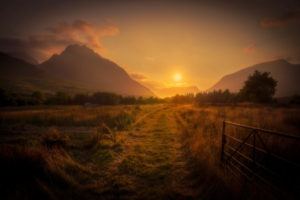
71	146
119	117
201	129
29	172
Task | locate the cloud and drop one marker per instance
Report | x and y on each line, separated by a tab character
138	76
54	39
249	49
283	20
152	85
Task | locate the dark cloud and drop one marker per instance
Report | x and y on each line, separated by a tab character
283	20
54	39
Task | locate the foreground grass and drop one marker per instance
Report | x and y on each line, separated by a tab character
126	152
114	116
63	152
201	129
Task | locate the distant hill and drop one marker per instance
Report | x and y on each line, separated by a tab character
287	75
23	56
172	91
19	76
11	66
77	69
82	66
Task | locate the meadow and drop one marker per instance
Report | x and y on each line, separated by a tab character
163	151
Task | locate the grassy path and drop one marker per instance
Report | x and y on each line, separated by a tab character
151	165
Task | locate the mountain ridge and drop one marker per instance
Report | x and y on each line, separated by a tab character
79	64
77	69
284	72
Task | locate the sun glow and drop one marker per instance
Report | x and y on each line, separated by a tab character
177	77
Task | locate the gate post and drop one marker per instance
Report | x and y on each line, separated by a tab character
254	147
223	141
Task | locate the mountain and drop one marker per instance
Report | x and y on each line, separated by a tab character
11	66
23	56
20	76
82	66
285	73
172	91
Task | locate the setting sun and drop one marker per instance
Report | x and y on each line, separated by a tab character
177	77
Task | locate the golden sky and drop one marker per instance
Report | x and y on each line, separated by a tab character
200	40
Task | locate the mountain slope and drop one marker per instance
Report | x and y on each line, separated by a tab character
19	76
285	73
23	56
11	66
83	66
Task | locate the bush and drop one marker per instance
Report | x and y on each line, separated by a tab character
53	138
122	121
102	133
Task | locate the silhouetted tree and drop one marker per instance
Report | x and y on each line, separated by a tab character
106	98
4	98
216	96
129	100
60	98
80	99
37	97
259	88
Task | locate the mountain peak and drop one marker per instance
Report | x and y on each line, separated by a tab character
78	50
84	67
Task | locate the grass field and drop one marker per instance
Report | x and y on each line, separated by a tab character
163	151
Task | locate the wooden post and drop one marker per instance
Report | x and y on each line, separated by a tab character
254	147
223	141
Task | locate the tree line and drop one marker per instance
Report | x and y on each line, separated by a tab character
260	87
63	98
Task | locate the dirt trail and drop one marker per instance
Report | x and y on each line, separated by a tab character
151	165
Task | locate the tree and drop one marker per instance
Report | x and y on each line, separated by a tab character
4	98
259	88
37	97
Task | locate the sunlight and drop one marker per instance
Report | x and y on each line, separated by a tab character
177	77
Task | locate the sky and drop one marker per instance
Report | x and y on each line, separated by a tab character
159	43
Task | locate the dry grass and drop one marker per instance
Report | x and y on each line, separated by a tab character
118	116
29	172
201	129
53	138
127	152
60	152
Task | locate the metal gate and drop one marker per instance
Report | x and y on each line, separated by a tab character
246	153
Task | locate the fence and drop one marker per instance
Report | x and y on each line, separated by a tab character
246	153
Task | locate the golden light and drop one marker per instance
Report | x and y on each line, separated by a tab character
177	77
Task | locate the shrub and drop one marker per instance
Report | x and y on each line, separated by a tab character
53	138
103	132
122	121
